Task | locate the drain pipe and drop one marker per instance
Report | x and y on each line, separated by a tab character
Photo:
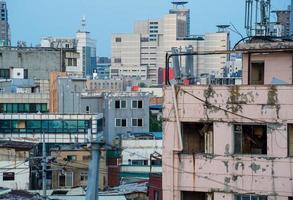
180	148
177	120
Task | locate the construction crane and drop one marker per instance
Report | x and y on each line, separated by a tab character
257	17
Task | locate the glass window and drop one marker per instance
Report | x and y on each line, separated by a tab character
55	126
26	107
70	124
8	176
21	108
44	108
4	124
123	104
68	179
33	124
118	122
38	107
9	108
137	104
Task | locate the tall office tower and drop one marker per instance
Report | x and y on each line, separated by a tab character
183	18
86	47
141	55
4	26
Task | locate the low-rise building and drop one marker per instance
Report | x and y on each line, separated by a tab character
70	167
125	112
56	127
14	164
136	156
233	142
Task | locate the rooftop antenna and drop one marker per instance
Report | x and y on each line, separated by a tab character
257	17
176	4
83	24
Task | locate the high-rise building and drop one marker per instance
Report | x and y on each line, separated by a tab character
4	26
86	46
140	55
183	18
83	44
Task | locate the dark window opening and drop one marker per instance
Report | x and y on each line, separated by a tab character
118	39
156	162
117	60
124	123
117	104
139	162
62	180
5	73
196	196
250	139
71	158
197	137
250	197
257	73
8	176
87	109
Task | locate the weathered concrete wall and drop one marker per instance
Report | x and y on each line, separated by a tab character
224	171
39	61
277	65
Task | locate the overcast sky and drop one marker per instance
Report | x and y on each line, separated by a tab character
32	19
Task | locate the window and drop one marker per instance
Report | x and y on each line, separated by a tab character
137	122
156	195
118	39
250	139
197	137
4	73
139	162
86	157
257	73
121	123
136	104
290	140
83	176
120	104
66	179
87	109
250	197
8	176
196	195
71	158
117	60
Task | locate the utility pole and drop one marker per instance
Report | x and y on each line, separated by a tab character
92	192
44	168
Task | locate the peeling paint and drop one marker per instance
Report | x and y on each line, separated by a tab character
239	164
226	165
254	167
227	149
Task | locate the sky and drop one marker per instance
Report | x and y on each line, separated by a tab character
32	19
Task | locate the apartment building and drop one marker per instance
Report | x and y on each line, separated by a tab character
125	112
233	142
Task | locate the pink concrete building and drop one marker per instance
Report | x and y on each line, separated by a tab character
233	142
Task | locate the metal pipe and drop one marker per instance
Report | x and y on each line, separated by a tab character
44	168
177	120
249	66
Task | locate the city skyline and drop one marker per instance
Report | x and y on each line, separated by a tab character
54	20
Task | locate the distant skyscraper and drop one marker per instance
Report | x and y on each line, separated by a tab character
4	26
183	18
86	46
